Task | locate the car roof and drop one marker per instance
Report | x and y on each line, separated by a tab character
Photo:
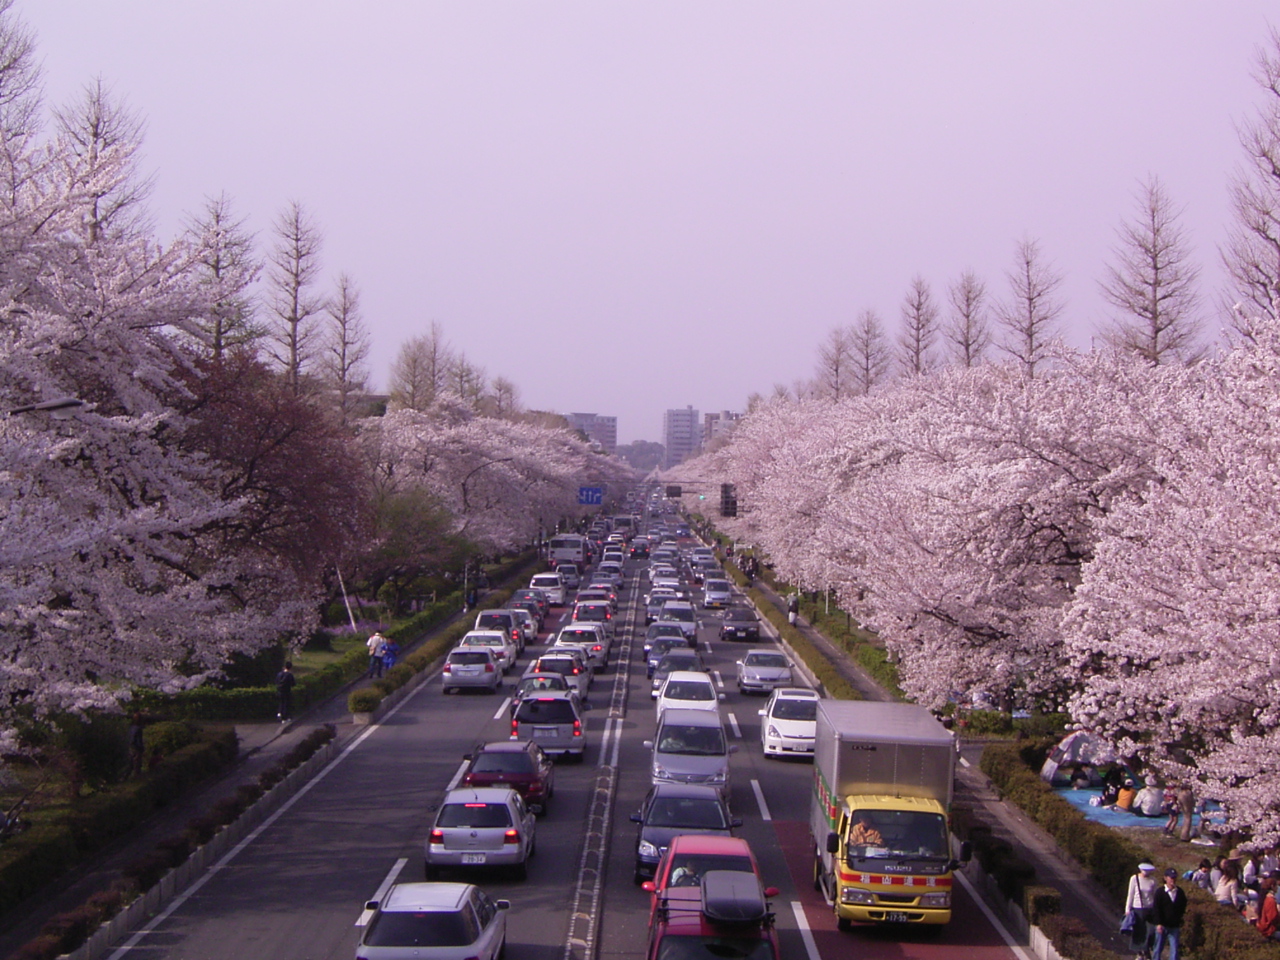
425	896
691	675
700	843
484	634
752	650
685	791
694	718
478	795
795	693
504	746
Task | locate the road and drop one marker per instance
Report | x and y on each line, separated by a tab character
296	888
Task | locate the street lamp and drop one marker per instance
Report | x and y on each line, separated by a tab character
59	409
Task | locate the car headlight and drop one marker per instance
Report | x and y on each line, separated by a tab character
647	849
936	900
854	895
659	771
773	732
719	776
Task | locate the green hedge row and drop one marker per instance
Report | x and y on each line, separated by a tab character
836	685
367	698
1210	931
66	931
33	859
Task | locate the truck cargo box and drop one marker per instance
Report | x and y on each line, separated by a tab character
884	749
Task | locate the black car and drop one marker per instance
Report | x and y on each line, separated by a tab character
673	809
739	623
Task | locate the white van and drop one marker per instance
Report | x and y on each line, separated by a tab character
552	585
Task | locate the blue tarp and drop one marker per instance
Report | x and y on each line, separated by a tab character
1114	818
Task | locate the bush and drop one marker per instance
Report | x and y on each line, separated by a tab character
364	700
835	684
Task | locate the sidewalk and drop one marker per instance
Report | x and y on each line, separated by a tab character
1081	896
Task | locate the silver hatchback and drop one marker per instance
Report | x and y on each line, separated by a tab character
481	827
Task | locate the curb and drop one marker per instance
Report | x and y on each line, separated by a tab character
178	880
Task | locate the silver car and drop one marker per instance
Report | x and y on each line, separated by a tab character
717	594
472	667
690	747
762	671
433	921
481	827
553	721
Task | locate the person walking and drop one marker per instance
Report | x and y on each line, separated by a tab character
1139	905
377	645
1170	907
284	689
793	608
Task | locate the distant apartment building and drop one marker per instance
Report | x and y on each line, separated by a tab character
601	430
718	424
681	435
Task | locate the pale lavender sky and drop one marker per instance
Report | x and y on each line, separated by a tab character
625	207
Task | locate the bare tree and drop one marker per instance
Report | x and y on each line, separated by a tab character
969	330
503	400
468	382
346	349
292	267
420	371
228	268
103	138
871	353
833	378
1030	315
1153	283
919	327
19	100
1252	253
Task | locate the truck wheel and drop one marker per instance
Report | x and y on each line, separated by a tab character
843	925
817	873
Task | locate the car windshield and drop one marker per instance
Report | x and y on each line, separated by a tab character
897	833
591	613
714	948
696	813
691	740
688	690
788	709
468	657
503	763
737	613
544	582
474	641
721	586
474	815
765	660
493	621
406	928
561	665
539	684
669	663
662	647
684	614
546	711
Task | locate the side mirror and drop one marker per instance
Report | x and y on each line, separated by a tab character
648	744
966	851
502	904
371	904
637	818
833	843
763	713
733	748
735	822
648	886
722	697
771	891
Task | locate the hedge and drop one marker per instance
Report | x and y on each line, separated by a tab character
836	685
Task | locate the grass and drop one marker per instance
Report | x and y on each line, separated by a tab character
311	661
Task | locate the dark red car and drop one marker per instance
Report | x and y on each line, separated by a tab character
725	915
518	764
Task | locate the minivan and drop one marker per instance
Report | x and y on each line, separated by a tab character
553	721
552	584
690	747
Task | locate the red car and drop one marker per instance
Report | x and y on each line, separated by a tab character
689	856
725	915
518	764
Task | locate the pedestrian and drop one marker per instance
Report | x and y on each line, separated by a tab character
284	688
137	745
377	645
793	608
1187	807
1268	922
1139	905
1170	906
390	650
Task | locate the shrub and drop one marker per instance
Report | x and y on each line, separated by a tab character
364	700
1040	901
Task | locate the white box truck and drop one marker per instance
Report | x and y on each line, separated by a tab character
882	786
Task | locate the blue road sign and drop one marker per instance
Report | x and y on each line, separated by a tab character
590	496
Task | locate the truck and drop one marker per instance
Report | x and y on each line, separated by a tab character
883	777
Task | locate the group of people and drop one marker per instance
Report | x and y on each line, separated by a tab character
1153	913
382	653
382	656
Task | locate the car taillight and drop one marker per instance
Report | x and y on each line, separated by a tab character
437	835
515	726
511	836
575	671
597	648
446	669
488	668
577	728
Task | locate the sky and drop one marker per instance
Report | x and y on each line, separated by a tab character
625	207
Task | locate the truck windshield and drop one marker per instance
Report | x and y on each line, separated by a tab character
891	834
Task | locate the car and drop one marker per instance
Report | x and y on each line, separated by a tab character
601	594
716	594
689	746
674	661
592	636
687	690
682	612
533	684
655	601
531	606
538	596
662	571
554	722
594	611
761	670
661	647
528	625
552	584
433	921
705	569
611	570
639	549
499	620
519	764
789	722
691	855
658	630
675	809
567	664
471	667
572	574
503	647
740	623
481	827
725	915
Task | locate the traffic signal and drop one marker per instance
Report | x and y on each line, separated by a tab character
673	492
728	500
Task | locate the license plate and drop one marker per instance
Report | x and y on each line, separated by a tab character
546	732
896	916
479	858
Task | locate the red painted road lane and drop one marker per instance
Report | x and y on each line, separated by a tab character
969	936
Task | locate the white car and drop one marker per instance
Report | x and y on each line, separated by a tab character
688	690
762	669
788	722
552	584
590	635
504	649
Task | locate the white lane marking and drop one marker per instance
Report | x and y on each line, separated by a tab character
764	807
733	722
964	762
706	645
995	921
506	705
367	915
462	768
719	679
810	945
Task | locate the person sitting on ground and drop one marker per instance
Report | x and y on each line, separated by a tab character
1201	877
1149	801
1111	785
1268	922
1227	892
1124	799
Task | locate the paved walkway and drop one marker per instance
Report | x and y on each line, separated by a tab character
1082	897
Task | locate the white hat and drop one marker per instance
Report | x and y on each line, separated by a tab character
1146	867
